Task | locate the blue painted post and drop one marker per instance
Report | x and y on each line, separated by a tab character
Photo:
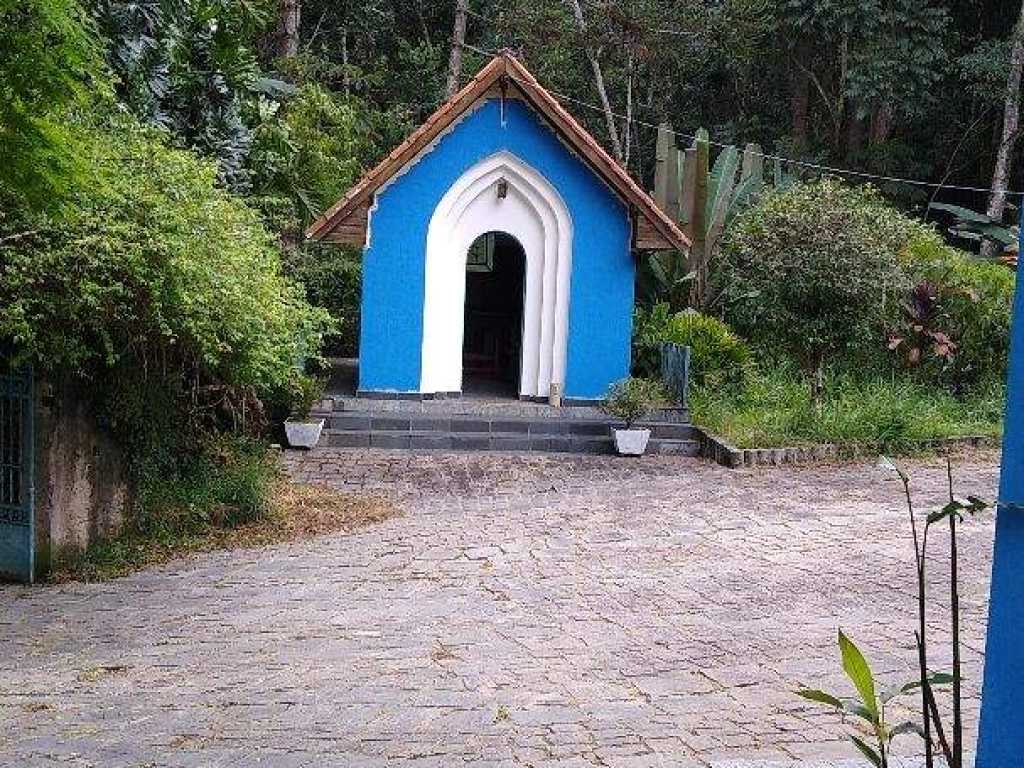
1001	736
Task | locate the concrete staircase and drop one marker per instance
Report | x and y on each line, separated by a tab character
437	429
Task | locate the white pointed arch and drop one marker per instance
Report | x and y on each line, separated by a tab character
533	213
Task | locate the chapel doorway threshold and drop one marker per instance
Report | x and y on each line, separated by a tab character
486	388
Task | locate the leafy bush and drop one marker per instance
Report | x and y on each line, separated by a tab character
632	399
812	268
975	299
167	292
716	353
650	327
333	277
155	264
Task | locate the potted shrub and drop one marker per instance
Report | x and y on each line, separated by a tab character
631	400
301	430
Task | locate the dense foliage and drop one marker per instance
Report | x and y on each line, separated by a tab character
717	355
48	59
889	86
974	301
811	270
166	293
153	263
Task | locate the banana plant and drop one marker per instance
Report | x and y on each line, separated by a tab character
978	227
869	709
703	198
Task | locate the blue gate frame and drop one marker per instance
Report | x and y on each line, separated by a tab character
17	481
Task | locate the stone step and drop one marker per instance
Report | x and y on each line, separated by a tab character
494	441
398	424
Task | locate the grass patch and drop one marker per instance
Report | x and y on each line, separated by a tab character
291	513
893	414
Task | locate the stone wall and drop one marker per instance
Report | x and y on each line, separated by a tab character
82	491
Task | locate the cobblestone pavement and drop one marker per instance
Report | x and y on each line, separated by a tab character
524	611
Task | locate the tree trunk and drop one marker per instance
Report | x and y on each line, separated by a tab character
854	134
458	41
881	123
1011	129
346	79
799	103
595	65
289	16
629	112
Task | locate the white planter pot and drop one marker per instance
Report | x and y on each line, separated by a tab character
631	442
303	433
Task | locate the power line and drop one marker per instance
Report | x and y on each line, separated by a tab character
766	156
780	158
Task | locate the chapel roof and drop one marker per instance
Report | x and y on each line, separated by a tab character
346	220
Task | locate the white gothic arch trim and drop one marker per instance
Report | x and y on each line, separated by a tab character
532	212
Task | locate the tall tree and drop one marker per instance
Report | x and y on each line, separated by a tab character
458	43
289	18
595	66
1011	130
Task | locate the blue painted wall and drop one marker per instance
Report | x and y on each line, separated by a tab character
1001	736
603	269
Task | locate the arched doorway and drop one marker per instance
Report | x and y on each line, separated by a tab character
492	338
500	193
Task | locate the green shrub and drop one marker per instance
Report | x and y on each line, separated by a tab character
716	353
153	262
167	293
811	269
975	301
650	328
632	399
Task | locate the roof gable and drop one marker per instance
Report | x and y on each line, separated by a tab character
346	220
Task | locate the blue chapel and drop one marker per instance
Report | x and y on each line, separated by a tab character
499	244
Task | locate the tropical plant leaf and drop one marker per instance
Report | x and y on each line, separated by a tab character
952	508
886	463
1000	234
907	727
976	505
961	213
821	697
934	679
273	87
854	707
869	752
859	672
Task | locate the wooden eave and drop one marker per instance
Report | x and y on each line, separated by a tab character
346	221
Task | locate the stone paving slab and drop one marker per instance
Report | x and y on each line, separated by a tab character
524	611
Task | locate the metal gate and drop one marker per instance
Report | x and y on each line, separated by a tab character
17	523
